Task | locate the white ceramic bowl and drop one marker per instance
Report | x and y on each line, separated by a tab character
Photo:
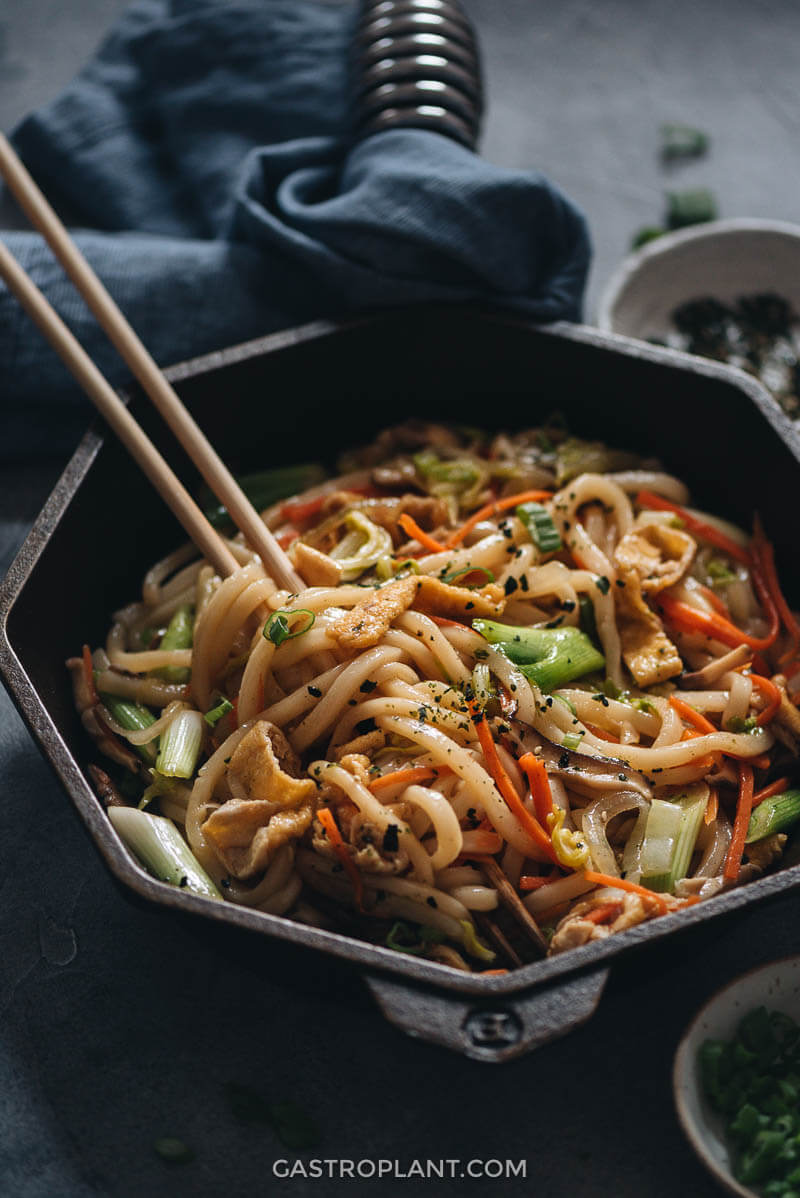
723	259
775	986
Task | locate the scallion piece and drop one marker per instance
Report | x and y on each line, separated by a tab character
413	940
213	717
180	745
162	850
691	207
279	629
540	526
474	946
550	657
773	815
133	718
458	576
265	488
720	572
572	741
179	635
669	838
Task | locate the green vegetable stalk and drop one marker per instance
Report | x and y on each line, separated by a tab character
133	718
162	850
669	839
774	815
179	635
550	657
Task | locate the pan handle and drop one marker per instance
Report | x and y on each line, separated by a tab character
493	1028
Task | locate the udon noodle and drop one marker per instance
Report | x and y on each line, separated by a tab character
529	698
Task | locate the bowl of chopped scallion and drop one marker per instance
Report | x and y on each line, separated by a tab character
737	1082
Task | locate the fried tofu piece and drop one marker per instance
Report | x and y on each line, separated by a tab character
657	554
247	833
647	651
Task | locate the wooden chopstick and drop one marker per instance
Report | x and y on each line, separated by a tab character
513	903
144	368
102	394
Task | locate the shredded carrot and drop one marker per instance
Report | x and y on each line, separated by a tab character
443	622
88	674
623	884
414	774
764	556
493	509
605	913
413	530
602	734
539	783
709	532
530	882
295	511
690	619
287	537
719	607
492	973
691	901
775	788
506	786
478	842
744	807
325	817
772	696
695	718
712	807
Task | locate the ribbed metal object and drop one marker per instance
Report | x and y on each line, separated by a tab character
416	66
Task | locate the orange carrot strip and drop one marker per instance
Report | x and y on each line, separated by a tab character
506	786
605	913
88	674
481	841
695	718
719	607
287	537
492	973
414	774
772	695
689	619
325	817
764	555
530	882
413	530
744	807
775	788
712	807
539	783
493	509
709	532
623	884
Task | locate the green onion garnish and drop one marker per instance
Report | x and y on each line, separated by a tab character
179	635
550	657
214	716
720	572
774	815
691	207
180	745
133	718
461	574
162	850
572	740
540	526
277	628
669	839
405	939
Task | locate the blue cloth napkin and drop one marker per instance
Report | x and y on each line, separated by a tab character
206	157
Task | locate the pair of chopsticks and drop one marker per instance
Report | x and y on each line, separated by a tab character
152	380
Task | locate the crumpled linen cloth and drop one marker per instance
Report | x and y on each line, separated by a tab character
206	160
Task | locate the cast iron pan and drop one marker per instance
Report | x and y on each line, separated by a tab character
340	383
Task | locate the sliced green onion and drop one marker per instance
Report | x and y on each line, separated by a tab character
278	629
387	567
474	946
645	234
162	850
774	815
213	717
572	740
133	718
682	141
265	488
158	787
179	635
453	578
587	619
180	745
550	657
540	526
691	207
414	941
743	724
362	547
720	572
670	836
567	703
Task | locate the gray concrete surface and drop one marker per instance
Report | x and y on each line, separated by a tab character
120	1024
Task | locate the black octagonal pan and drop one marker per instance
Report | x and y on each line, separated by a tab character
308	394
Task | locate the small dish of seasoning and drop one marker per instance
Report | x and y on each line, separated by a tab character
727	290
736	1082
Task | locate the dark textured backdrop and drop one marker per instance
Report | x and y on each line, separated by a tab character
120	1025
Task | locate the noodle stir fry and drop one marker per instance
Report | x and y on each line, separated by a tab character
529	698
